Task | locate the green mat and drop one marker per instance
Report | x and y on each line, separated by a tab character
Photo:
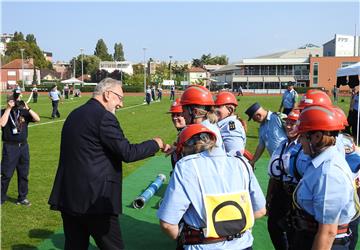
140	228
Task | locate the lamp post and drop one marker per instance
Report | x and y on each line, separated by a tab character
170	68
82	64
74	66
22	69
144	72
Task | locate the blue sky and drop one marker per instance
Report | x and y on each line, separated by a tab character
184	30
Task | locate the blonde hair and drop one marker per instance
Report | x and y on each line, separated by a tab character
206	143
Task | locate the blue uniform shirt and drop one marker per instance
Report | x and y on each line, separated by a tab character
289	98
326	189
222	174
233	135
54	95
271	132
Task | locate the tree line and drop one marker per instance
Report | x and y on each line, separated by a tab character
91	62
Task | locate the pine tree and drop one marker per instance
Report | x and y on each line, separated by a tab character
101	51
118	52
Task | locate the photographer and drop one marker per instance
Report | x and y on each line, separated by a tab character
14	123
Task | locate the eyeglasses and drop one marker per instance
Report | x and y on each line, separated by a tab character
119	96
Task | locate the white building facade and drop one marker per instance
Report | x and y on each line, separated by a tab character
111	66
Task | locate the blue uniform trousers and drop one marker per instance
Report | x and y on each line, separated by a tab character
15	156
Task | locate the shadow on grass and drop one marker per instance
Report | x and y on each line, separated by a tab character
40	233
22	247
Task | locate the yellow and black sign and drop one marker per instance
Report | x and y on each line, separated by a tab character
228	214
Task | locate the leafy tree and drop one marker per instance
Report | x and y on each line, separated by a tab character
101	51
99	75
30	38
18	36
116	74
138	68
197	63
31	50
90	64
209	60
118	52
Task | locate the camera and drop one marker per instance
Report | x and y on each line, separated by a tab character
20	104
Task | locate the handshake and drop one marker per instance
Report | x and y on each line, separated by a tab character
165	148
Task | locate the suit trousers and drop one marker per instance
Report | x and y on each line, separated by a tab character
104	229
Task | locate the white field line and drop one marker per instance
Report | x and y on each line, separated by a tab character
45	123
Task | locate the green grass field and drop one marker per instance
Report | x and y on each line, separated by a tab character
27	227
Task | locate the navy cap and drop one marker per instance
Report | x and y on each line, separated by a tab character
252	110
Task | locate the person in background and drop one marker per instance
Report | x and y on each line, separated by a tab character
55	96
153	92
271	132
353	113
178	120
172	92
15	152
148	95
240	90
289	99
231	128
335	92
34	93
88	184
66	91
322	212
205	185
159	94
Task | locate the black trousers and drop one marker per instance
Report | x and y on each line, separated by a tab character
278	208
105	230
15	156
55	111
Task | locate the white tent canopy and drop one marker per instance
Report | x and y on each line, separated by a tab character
350	70
71	80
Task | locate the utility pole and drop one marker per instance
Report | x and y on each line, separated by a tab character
82	65
22	69
144	72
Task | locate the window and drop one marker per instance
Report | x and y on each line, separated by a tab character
315	73
345	64
11	73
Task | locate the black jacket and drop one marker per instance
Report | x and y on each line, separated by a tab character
89	175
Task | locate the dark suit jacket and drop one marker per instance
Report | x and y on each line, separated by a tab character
89	175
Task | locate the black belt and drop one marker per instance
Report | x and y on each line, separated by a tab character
341	241
19	144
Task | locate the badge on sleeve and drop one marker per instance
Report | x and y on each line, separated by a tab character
231	125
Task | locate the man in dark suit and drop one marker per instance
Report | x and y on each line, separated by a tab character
87	188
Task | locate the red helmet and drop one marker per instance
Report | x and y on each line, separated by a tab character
339	113
318	118
224	98
197	95
294	115
176	107
189	131
315	97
